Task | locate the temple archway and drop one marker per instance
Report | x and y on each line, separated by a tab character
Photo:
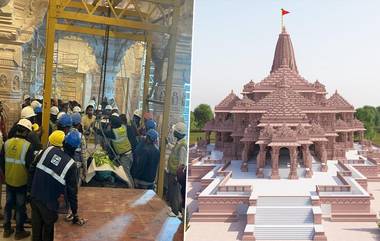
284	157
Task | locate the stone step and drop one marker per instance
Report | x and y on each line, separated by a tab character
283	201
284	232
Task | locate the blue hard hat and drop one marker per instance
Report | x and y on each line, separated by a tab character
150	124
153	134
65	121
76	118
73	138
38	110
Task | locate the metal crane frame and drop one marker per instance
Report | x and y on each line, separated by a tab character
67	15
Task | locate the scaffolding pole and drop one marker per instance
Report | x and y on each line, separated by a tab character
167	105
49	58
148	58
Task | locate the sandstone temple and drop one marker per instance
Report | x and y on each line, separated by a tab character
286	157
284	115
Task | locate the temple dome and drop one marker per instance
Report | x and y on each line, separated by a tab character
284	54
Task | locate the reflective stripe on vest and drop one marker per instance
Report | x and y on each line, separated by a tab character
174	161
59	178
16	174
121	143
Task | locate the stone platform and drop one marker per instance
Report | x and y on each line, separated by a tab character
116	214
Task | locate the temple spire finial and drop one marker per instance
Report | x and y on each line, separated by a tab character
284	53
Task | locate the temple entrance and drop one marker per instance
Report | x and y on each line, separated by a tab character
254	151
284	158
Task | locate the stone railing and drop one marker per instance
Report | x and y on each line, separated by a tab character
344	170
237	188
345	187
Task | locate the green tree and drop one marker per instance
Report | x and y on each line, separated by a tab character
369	115
193	122
203	114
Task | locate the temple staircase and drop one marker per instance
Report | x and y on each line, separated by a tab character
283	218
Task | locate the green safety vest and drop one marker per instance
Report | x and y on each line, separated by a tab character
121	142
16	174
174	161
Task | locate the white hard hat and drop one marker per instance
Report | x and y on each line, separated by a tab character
138	113
108	107
92	102
60	114
26	97
115	108
77	109
27	112
181	128
54	110
99	107
115	114
35	104
25	123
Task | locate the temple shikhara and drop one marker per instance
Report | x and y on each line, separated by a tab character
286	154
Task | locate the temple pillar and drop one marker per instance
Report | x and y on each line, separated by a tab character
323	157
293	163
244	165
307	160
361	136
208	137
275	157
260	161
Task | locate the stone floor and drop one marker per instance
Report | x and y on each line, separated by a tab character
120	215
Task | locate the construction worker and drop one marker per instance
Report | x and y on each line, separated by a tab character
120	144
35	104
15	160
77	109
64	123
88	121
136	119
33	138
27	100
53	179
115	110
176	162
107	111
53	118
147	159
80	156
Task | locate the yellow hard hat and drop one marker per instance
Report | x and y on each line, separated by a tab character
35	127
56	138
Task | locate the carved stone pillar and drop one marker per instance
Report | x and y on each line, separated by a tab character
244	165
208	138
323	157
19	18
260	161
275	157
293	163
361	136
307	160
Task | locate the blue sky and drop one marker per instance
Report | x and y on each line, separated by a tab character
335	41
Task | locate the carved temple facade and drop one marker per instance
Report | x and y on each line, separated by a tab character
284	120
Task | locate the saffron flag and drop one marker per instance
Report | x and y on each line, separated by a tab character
283	12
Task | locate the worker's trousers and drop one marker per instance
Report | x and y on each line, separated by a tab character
15	197
174	194
126	161
43	221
